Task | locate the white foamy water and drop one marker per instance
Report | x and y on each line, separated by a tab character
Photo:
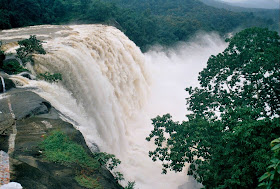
111	90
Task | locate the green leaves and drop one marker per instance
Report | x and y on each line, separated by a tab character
271	179
50	77
235	115
108	160
28	47
58	147
246	73
276	147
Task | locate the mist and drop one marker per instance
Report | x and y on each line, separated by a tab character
171	71
266	4
176	68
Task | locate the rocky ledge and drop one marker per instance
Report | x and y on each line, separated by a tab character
28	117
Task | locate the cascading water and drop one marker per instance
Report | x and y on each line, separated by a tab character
3	84
110	90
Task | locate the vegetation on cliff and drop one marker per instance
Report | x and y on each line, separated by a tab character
12	66
235	115
57	147
47	76
28	47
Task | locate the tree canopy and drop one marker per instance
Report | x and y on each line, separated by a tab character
145	22
235	115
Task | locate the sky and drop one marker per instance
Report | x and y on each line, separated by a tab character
256	3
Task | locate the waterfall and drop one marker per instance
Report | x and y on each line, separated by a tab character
105	72
110	90
3	84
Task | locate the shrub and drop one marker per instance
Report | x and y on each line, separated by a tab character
50	77
109	160
29	47
130	185
13	67
57	147
88	182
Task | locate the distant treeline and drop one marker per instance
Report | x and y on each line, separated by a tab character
146	22
272	14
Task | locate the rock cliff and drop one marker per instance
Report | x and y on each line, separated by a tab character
25	118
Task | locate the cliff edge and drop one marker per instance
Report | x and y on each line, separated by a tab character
25	121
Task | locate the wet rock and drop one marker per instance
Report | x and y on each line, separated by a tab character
4	145
27	75
35	118
6	119
9	84
27	104
93	148
2	58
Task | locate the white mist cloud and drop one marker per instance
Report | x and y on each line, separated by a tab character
176	68
171	70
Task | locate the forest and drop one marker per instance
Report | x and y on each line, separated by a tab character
147	23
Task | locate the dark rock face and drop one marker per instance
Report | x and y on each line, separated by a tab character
2	58
33	119
34	171
26	104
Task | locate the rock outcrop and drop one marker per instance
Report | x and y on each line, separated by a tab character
28	117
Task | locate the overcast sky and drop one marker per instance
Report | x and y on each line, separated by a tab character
256	3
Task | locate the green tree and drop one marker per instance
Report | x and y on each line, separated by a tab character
30	46
271	179
100	11
235	115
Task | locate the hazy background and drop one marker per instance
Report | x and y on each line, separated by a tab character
268	4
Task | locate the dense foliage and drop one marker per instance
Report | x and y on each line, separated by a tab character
235	115
12	66
271	179
143	21
28	47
